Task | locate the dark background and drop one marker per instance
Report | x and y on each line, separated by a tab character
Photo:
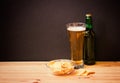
36	29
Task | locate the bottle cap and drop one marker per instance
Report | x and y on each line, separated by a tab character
88	14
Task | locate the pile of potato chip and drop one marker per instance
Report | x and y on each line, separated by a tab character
65	67
61	67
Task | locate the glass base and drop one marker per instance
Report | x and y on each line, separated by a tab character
78	66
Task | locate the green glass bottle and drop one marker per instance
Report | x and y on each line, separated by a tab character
89	42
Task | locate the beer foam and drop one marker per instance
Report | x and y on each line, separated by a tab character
76	28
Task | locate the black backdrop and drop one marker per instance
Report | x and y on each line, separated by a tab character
35	29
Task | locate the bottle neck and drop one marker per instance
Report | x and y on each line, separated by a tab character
89	25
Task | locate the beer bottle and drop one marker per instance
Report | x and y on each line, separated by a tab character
89	40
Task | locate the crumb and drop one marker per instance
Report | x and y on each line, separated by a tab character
84	72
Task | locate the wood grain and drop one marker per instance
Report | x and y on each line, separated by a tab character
38	72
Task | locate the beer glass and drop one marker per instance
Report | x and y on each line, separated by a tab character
76	33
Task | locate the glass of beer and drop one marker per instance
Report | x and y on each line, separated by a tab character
76	33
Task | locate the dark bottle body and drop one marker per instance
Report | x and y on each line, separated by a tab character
89	43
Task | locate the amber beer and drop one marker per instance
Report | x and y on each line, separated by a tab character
76	38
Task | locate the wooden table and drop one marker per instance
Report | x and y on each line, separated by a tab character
38	72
